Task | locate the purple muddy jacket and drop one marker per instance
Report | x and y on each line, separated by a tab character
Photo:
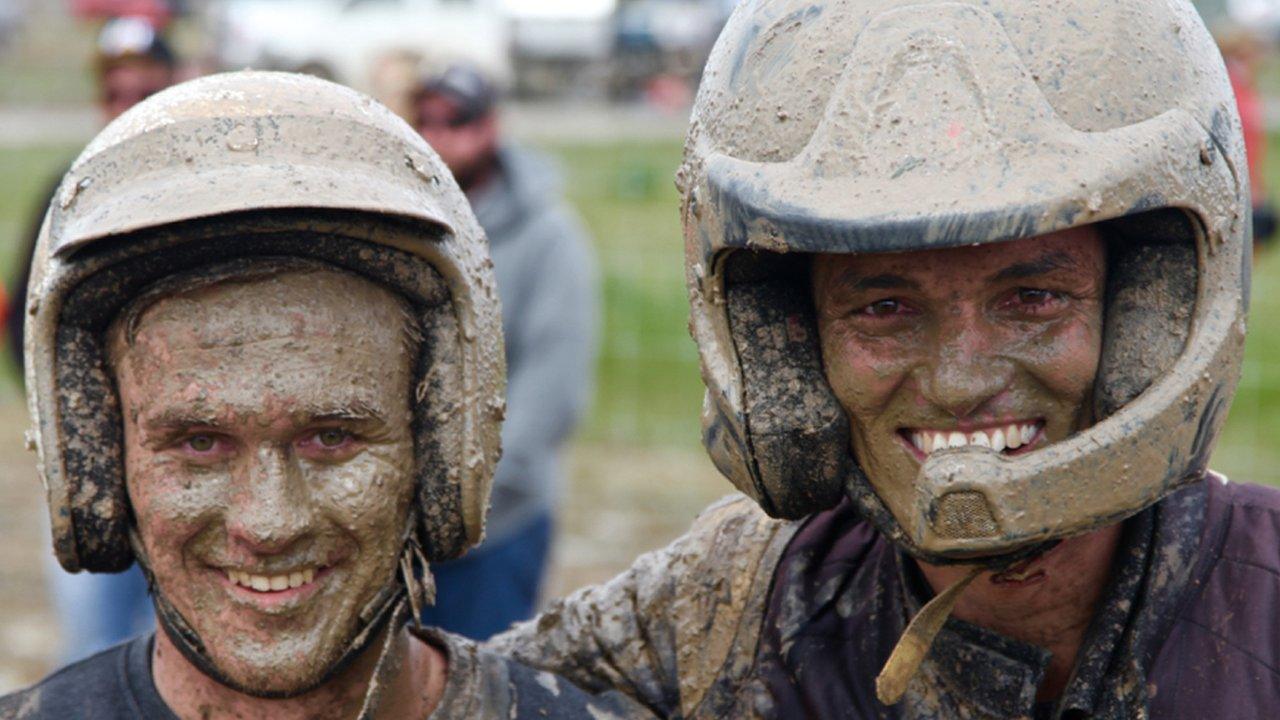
751	617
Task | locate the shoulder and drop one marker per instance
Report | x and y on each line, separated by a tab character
90	689
1232	616
717	563
1248	516
731	537
724	567
677	620
735	515
1224	650
481	684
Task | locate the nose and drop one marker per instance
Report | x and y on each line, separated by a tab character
269	509
965	370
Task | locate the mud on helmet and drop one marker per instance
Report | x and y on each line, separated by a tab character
259	165
869	126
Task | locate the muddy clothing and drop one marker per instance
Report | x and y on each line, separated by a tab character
117	685
752	617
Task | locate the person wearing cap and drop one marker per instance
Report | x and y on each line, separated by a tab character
264	365
132	61
546	279
968	282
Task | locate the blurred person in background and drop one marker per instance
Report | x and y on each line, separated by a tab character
546	282
1243	50
132	61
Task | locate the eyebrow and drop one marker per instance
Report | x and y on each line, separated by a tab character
356	412
1032	268
172	418
884	281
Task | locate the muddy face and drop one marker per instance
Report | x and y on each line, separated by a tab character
994	346
269	462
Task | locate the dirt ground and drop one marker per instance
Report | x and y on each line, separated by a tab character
621	502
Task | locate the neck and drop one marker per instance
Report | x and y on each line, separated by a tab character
414	689
1048	602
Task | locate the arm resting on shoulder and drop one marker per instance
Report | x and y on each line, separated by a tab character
663	630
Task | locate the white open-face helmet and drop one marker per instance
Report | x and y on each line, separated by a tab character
259	165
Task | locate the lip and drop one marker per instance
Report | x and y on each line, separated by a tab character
273	602
968	427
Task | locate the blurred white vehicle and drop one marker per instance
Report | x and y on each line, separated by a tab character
1262	16
344	40
665	38
561	44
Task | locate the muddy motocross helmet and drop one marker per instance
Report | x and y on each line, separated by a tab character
872	126
251	165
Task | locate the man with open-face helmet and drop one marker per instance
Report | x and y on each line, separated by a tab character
264	363
968	281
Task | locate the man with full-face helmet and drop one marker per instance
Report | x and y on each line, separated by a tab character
968	281
264	363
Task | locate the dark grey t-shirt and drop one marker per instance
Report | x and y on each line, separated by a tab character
116	685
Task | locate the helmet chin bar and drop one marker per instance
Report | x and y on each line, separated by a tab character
864	497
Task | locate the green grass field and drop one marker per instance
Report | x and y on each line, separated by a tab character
648	390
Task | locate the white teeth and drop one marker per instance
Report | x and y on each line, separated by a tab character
999	439
921	441
271	583
1013	437
1028	432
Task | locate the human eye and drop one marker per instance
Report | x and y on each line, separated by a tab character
204	447
328	443
885	308
1034	302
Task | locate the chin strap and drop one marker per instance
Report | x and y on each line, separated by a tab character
388	665
421	591
415	572
912	648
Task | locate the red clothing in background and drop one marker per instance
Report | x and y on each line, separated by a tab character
1252	118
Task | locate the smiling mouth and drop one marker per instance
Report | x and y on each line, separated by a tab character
1002	438
272	583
